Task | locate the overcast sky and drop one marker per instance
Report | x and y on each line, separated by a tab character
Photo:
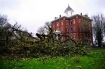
32	14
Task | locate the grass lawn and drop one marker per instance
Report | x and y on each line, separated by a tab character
95	61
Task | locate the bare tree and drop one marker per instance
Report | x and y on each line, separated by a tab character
3	20
47	27
4	30
44	29
40	30
84	29
98	29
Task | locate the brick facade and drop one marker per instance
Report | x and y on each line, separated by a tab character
78	27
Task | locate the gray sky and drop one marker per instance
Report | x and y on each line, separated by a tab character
32	14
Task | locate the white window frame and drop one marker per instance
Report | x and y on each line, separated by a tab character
57	24
61	22
73	21
74	35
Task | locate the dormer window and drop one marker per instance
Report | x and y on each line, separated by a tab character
76	16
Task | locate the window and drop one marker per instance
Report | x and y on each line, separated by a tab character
89	24
70	21
71	35
67	29
53	26
73	21
62	39
61	22
67	34
89	28
57	24
74	28
74	35
76	16
57	28
80	29
67	22
63	18
80	35
79	20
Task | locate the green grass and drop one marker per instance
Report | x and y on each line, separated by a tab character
95	61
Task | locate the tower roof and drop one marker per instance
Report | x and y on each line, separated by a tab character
68	9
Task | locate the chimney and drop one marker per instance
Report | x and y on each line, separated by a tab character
81	14
59	16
